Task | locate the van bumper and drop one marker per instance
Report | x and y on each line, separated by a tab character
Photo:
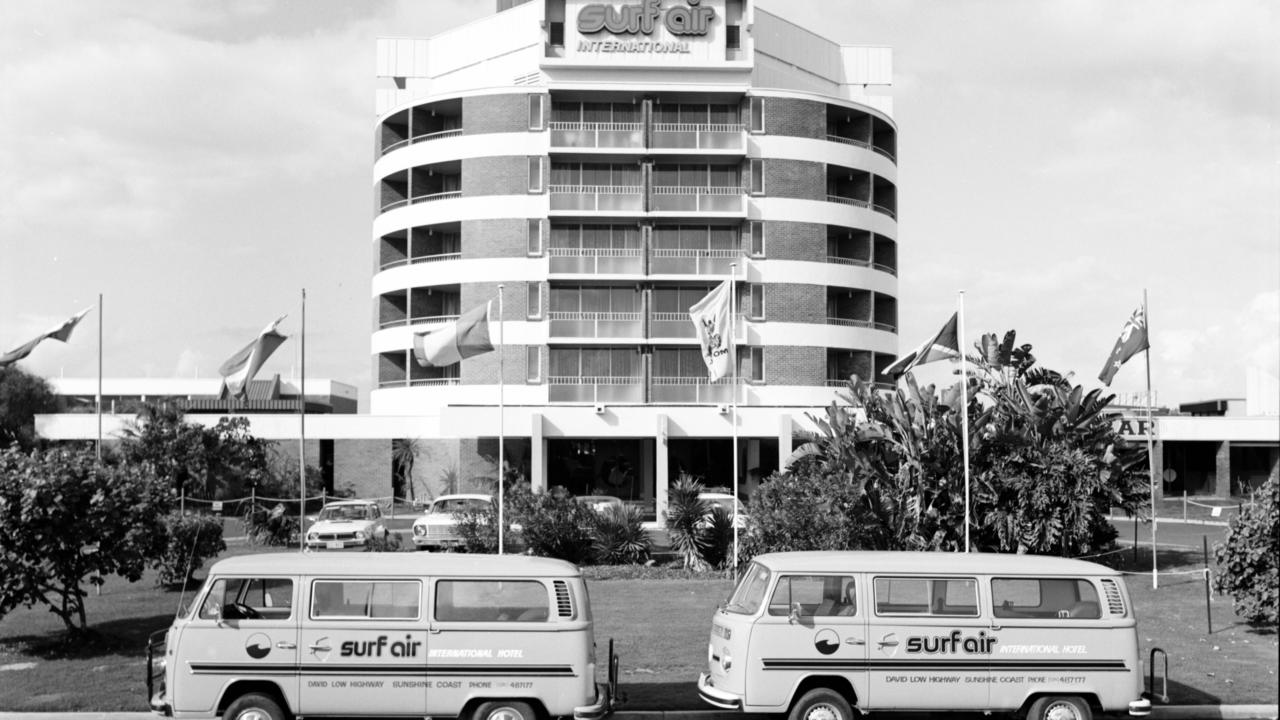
160	706
602	707
1140	708
719	698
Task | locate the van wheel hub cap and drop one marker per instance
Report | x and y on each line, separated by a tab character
1061	711
506	714
823	712
253	714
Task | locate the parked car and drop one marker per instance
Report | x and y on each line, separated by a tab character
602	503
346	524
726	502
437	528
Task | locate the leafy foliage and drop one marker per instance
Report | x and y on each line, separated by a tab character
270	526
210	463
808	510
68	519
190	540
1247	559
22	397
555	525
685	513
620	537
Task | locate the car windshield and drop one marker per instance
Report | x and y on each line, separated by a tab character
345	512
749	594
449	506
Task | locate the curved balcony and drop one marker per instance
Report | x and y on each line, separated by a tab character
432	197
439	257
855	262
420	139
420	320
860	323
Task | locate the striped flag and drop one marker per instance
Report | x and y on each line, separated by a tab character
61	332
239	370
463	338
943	346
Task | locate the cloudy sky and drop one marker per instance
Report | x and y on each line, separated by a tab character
200	163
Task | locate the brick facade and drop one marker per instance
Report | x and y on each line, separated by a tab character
791	365
795	118
795	179
495	238
791	302
502	175
495	114
784	240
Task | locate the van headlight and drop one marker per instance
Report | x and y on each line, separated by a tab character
726	660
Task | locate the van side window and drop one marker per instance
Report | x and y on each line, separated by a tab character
248	599
492	601
817	595
1066	598
955	597
352	599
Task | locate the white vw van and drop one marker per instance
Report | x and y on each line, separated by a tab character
479	637
820	634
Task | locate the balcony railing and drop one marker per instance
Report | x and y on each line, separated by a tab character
687	198
699	136
885	210
671	325
431	197
419	320
858	323
848	201
848	141
418	382
596	389
597	261
697	390
675	261
597	135
439	257
861	263
596	324
884	152
422	138
597	198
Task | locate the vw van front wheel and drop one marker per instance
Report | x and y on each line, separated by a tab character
504	710
254	706
1060	708
821	704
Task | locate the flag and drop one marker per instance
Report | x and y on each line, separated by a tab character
465	337
710	317
61	332
943	346
1132	340
238	371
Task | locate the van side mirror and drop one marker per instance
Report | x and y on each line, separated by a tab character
794	617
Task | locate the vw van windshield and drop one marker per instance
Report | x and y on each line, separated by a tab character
746	598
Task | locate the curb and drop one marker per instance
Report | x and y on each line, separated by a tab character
1159	712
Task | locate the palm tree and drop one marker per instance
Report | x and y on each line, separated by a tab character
404	453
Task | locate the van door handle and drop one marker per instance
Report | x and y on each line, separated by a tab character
319	648
888	643
286	645
855	641
997	627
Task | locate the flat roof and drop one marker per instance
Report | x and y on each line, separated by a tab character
394	564
930	563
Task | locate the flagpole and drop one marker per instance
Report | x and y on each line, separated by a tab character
502	411
1151	467
964	417
302	428
99	400
733	364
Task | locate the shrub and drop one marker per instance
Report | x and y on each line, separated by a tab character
555	525
620	537
189	540
717	529
272	527
1247	558
807	509
685	513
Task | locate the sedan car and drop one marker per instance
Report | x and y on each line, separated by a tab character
601	503
345	525
437	528
726	502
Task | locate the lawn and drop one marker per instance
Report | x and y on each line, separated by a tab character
659	627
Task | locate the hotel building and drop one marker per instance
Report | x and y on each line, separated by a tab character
596	169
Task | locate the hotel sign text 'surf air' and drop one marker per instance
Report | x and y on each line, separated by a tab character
643	18
650	30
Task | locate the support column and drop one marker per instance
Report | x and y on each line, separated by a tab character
537	455
784	441
661	481
1157	467
752	463
1222	478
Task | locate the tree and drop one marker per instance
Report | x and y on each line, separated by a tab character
1247	558
22	397
211	463
404	454
68	520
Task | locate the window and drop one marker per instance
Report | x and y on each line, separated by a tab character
492	601
535	301
757	176
757	114
732	37
536	103
248	599
533	364
926	596
755	364
755	301
535	238
556	32
535	174
749	594
1066	598
757	238
814	596
351	599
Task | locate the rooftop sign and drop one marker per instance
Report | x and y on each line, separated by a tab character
643	18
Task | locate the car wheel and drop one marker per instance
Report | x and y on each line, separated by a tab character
254	706
504	710
821	704
1060	707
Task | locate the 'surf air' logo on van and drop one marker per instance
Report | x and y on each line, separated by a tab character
383	645
953	643
258	646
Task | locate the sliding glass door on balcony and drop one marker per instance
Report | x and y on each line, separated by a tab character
597	249
697	188
680	376
595	375
697	126
695	249
596	125
596	312
670	317
597	187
